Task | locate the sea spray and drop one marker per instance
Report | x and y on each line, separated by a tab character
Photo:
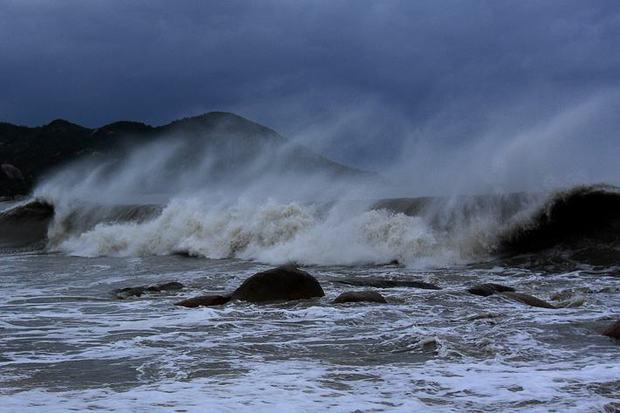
582	221
270	232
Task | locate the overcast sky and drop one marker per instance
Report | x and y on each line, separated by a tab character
357	80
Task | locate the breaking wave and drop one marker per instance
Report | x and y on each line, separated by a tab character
421	231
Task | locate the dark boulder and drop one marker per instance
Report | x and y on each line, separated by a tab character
282	283
204	301
488	289
360	296
11	172
613	330
386	283
127	292
527	299
12	180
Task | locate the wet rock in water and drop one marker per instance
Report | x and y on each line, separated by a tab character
171	286
381	283
430	344
360	296
568	295
527	299
204	301
600	255
613	330
572	303
283	283
488	289
127	292
571	298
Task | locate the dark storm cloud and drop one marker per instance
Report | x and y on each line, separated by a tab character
354	79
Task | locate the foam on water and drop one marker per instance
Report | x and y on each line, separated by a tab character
271	232
67	344
582	222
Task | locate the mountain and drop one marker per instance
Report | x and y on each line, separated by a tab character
27	154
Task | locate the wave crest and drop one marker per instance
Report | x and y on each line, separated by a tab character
425	231
272	232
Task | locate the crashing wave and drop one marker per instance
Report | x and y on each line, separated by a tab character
412	231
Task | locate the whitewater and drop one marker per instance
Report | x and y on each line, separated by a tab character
68	343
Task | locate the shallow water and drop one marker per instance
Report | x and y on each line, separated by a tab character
67	343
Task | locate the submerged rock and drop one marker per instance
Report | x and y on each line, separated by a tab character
360	296
127	292
527	299
381	283
613	330
572	303
565	295
488	289
204	301
171	286
283	283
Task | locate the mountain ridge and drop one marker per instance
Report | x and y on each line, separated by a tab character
36	151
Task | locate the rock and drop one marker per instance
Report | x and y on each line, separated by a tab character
171	286
527	299
11	171
360	296
566	295
571	298
282	283
488	289
613	330
204	301
127	292
573	303
430	344
12	182
381	283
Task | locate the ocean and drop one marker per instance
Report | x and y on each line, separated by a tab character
69	343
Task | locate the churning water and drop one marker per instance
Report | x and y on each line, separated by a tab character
67	343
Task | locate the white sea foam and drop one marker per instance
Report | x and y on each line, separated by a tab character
420	352
272	232
306	386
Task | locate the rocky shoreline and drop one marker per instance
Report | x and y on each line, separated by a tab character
289	283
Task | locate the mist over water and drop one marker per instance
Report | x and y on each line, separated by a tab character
274	216
519	144
255	201
514	149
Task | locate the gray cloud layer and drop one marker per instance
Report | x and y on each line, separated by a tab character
358	80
